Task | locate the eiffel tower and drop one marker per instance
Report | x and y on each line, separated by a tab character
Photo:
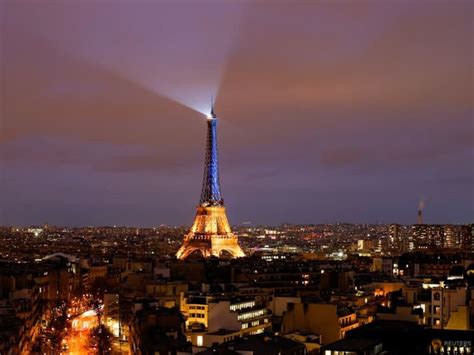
210	233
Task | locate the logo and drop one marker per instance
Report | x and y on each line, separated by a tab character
436	344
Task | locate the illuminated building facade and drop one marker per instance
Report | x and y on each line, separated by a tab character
436	236
330	320
210	233
211	319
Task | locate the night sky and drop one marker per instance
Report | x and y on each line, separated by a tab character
345	111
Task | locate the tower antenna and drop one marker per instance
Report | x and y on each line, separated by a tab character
212	114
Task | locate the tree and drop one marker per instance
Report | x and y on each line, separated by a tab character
101	338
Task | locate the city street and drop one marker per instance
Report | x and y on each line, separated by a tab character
77	341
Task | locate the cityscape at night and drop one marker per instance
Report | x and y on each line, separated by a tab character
236	177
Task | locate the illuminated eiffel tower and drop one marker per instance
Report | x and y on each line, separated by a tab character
210	233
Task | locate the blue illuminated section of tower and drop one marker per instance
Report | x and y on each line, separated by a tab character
211	190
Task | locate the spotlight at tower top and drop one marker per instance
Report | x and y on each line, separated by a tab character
211	115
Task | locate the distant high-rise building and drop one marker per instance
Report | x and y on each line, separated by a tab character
451	237
394	237
210	233
437	236
427	237
400	238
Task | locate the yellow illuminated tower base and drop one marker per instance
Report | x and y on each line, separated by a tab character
210	234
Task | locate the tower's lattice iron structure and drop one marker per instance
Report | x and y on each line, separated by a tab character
210	233
211	189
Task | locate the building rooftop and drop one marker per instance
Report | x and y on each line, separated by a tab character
264	344
352	344
218	350
401	337
223	332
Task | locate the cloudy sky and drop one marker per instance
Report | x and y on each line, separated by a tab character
329	111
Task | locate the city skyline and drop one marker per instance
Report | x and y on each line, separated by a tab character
236	177
104	124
